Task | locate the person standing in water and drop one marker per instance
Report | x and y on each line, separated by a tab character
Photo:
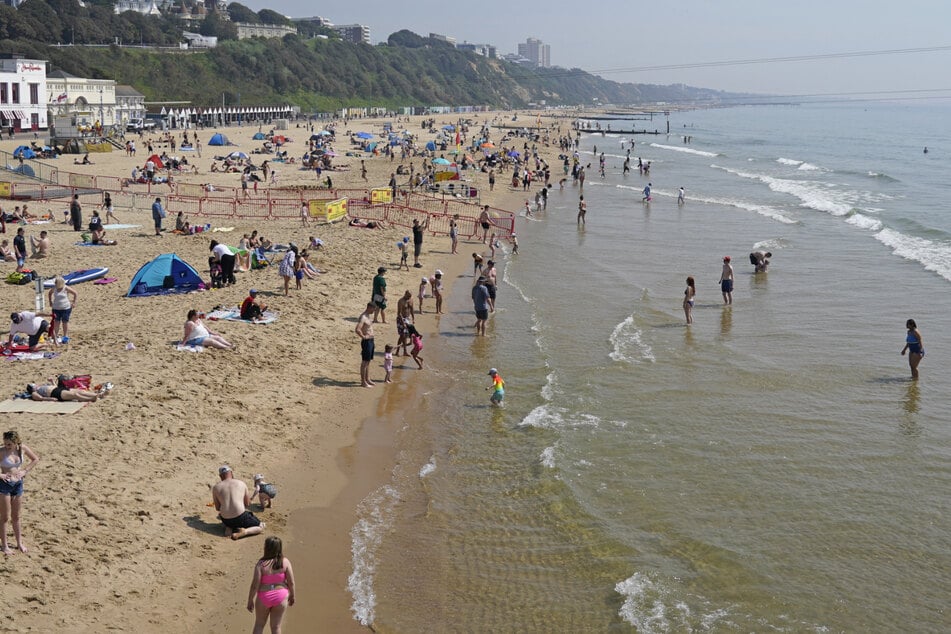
680	197
914	347
689	293
726	281
582	210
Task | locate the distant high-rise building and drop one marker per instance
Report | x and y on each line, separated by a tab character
356	33
536	51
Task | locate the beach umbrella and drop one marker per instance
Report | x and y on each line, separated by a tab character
363	135
431	146
449	127
315	137
238	155
513	154
441	161
325	133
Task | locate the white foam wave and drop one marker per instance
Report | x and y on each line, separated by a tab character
809	167
547	458
812	194
864	222
772	244
628	343
685	150
786	161
548	390
551	417
763	210
510	282
375	515
428	468
641	607
934	256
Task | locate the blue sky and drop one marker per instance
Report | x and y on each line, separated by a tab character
617	34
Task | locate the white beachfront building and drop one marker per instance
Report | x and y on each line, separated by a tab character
86	100
22	93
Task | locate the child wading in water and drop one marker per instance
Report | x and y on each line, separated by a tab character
388	362
498	388
417	348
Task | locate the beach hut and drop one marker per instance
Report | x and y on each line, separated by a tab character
165	275
219	139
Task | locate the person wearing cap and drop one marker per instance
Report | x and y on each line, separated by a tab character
498	388
726	281
364	330
379	295
480	302
251	308
232	499
435	282
30	324
491	278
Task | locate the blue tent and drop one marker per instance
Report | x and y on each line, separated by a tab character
258	136
23	170
165	275
431	146
219	139
24	151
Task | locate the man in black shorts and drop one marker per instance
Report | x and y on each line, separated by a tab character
232	499
418	229
364	330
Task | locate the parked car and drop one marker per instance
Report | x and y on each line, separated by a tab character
135	125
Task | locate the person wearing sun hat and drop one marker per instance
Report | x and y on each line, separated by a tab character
498	388
726	281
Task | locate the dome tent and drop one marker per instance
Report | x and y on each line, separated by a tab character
165	275
219	139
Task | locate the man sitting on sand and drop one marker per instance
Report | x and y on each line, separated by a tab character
41	247
232	499
251	308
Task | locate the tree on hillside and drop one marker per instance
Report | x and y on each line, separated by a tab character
267	16
406	39
241	13
214	26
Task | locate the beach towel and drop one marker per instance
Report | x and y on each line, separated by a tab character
12	406
121	226
29	356
106	280
183	348
89	244
222	230
234	314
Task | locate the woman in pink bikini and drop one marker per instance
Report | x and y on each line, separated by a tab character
272	587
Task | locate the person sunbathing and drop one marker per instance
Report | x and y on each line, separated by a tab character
49	392
197	334
99	237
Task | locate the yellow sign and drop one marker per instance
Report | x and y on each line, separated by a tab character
4	190
327	210
381	195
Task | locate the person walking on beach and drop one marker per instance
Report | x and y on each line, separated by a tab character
364	330
232	499
647	193
726	280
485	222
12	472
582	210
680	197
689	293
158	212
914	347
272	587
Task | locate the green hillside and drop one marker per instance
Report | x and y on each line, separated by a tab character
315	74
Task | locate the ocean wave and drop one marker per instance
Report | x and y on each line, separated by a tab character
685	150
548	390
556	418
934	256
627	343
375	518
809	167
772	244
864	222
547	457
786	161
646	608
882	177
763	210
812	194
428	468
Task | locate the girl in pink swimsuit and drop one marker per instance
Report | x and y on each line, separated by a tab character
272	587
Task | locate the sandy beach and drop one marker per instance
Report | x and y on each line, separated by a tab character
117	515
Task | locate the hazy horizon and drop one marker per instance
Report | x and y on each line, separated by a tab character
625	41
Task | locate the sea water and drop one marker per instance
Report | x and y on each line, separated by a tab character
769	468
